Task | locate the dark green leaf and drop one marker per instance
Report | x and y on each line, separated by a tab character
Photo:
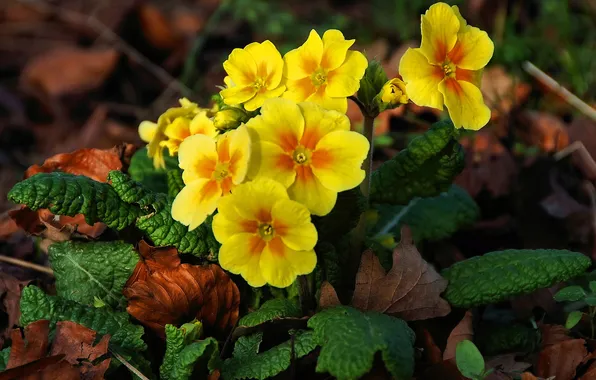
4	354
175	182
350	339
343	218
85	270
570	294
272	309
141	169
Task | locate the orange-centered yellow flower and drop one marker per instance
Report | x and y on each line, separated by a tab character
254	75
308	149
172	127
324	71
211	169
266	237
447	67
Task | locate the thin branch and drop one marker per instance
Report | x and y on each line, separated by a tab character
397	218
554	86
27	264
129	366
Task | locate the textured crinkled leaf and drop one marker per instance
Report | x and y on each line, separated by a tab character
86	270
175	182
494	339
183	354
141	169
272	309
67	194
247	364
432	218
349	340
343	217
4	355
497	276
425	168
36	305
158	223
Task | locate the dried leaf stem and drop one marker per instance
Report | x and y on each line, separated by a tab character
26	264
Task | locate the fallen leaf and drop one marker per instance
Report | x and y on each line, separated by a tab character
409	290
92	163
553	334
445	370
328	297
489	166
433	352
163	291
10	296
68	70
561	359
156	27
502	92
506	367
543	130
463	331
528	376
72	345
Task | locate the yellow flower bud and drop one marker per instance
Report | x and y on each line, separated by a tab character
229	118
394	92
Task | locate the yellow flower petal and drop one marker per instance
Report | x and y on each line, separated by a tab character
335	47
303	61
319	121
473	49
228	221
147	130
465	104
291	222
241	67
280	122
299	90
236	95
309	191
261	97
239	153
195	202
462	21
178	130
274	265
269	62
241	254
345	80
321	98
269	160
197	156
439	32
202	124
259	196
422	79
337	160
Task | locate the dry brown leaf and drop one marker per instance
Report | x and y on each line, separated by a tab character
328	297
432	351
68	70
502	93
158	30
553	334
92	163
489	166
463	331
409	290
71	357
543	130
445	370
561	359
528	376
10	296
506	367
162	291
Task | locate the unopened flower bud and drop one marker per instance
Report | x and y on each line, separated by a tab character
229	118
393	93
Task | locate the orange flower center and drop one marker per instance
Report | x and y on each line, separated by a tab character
449	69
258	84
266	231
319	77
301	155
222	171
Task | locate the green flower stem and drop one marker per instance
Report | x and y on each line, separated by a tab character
367	166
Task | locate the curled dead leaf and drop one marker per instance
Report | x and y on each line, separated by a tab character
73	352
561	359
463	331
162	291
10	296
68	70
553	334
543	130
328	297
410	290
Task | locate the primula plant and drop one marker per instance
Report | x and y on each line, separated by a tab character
251	237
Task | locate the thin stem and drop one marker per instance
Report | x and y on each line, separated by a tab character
592	314
368	133
304	294
27	264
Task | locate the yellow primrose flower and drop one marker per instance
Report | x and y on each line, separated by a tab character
211	169
447	67
308	149
394	92
254	75
324	71
182	127
265	237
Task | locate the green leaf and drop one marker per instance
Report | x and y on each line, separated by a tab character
184	352
36	305
350	339
570	294
158	223
175	182
141	169
592	286
328	265
343	217
4	355
247	364
469	360
590	299
433	218
371	83
495	339
134	358
498	276
272	309
86	271
573	319
426	168
67	194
